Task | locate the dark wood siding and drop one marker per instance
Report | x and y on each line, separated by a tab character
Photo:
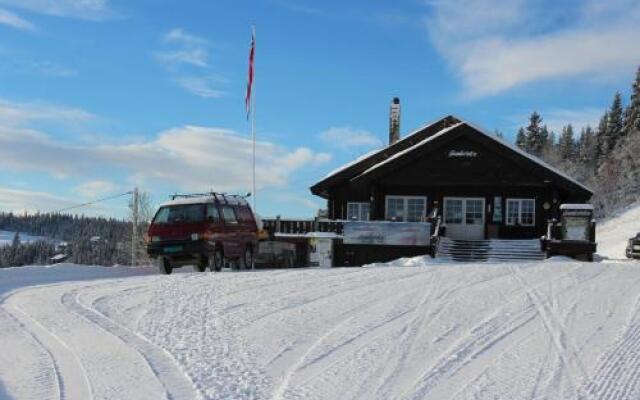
485	171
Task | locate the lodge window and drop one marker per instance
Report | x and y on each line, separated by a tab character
406	208
453	211
358	211
521	212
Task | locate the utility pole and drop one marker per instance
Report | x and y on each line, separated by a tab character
134	233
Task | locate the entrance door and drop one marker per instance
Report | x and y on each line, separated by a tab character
464	218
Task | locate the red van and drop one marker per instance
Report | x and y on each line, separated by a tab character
203	230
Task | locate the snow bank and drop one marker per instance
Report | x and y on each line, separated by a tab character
612	234
420	261
546	330
19	277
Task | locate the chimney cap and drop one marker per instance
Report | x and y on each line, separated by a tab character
396	100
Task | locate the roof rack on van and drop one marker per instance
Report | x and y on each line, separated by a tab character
220	197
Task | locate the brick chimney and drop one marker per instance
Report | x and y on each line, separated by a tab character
394	121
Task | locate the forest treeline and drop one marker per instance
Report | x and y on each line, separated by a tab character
605	158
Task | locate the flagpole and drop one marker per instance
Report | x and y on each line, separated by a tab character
253	126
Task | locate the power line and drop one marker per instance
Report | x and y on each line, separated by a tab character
91	202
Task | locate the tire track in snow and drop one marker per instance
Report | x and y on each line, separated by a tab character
554	326
358	286
69	365
484	335
44	366
509	347
617	376
546	364
369	337
176	384
423	318
283	387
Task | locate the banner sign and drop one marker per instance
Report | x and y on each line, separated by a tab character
462	153
387	233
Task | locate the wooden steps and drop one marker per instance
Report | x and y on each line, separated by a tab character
489	250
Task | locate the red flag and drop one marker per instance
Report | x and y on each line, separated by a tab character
247	99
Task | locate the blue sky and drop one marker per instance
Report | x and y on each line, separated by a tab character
97	96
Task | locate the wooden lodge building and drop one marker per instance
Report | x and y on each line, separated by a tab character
481	186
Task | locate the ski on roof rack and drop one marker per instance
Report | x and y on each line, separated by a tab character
217	196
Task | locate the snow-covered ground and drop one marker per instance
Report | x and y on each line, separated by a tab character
612	234
547	330
6	238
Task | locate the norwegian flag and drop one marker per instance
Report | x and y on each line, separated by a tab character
252	51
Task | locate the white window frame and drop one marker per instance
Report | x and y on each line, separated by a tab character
464	210
359	204
405	206
519	220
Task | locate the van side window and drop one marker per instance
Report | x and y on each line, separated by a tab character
229	214
243	214
213	214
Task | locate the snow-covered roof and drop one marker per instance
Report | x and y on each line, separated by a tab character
354	162
376	151
512	147
235	200
576	207
527	155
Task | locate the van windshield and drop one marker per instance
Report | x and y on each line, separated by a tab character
180	213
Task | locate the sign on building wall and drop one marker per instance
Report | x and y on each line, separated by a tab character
387	233
462	154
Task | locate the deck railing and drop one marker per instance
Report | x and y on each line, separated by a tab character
302	226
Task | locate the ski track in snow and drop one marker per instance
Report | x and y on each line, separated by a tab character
549	330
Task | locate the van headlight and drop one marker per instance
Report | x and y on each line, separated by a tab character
195	236
155	238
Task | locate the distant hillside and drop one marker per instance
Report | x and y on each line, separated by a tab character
612	233
6	237
94	241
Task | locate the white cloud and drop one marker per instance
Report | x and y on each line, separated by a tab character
185	48
556	119
178	35
201	86
303	156
94	189
15	21
346	138
189	158
21	200
173	58
18	114
495	45
308	202
83	9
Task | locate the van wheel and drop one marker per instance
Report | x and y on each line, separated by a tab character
201	266
216	262
246	260
164	266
